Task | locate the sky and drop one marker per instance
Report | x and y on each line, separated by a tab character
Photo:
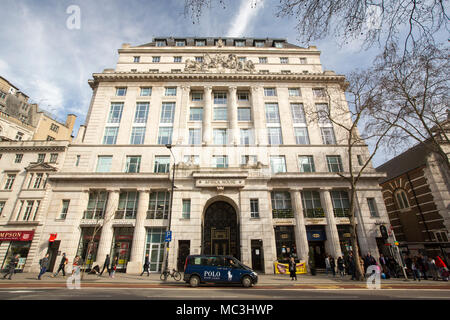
50	61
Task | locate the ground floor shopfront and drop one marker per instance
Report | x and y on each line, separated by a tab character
12	243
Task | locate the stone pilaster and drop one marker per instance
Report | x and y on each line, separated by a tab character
233	115
258	113
207	115
180	130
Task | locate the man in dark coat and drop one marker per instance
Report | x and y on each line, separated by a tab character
146	265
62	265
12	266
106	265
44	265
352	266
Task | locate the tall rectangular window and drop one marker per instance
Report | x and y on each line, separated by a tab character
301	135
53	157
28	209
196	114
115	112
165	135
220	161
323	113
96	205
104	164
110	136
167	112
278	164
306	164
9	181
254	208
158	206
41	157
372	207
274	136
281	205
298	113
2	206
328	135
19	157
220	98
270	92
220	136
137	59
334	164
38	180
137	135
141	113
341	203
162	164
246	136
195	136
244	114
272	114
171	91
146	91
121	92
64	209
312	207
133	164
220	114
186	208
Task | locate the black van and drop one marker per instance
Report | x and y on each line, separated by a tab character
217	269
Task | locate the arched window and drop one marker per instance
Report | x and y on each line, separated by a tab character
402	199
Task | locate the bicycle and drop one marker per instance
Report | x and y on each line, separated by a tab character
174	274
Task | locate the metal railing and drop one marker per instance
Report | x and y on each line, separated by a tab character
125	214
314	213
158	214
282	213
93	214
341	212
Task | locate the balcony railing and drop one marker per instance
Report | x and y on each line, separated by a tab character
314	213
158	214
93	214
341	212
282	213
125	214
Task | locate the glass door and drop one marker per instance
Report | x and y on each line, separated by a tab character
156	257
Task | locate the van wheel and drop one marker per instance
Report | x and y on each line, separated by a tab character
194	281
246	282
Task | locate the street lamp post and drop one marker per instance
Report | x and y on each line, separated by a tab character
166	243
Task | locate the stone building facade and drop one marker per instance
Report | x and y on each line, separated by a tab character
254	177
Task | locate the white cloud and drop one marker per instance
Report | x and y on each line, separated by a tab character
247	11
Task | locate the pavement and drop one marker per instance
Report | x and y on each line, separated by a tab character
305	281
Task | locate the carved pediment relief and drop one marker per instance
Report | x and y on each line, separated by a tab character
41	166
219	63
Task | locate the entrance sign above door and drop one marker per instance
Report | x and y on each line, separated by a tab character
213	183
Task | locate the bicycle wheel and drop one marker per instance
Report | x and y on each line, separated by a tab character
163	276
177	276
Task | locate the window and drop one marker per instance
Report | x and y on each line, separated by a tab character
19	158
220	136
158	206
301	135
2	206
199	59
180	43
128	203
162	164
294	92
239	43
110	136
77	161
220	113
50	138
165	135
186	209
242	59
318	93
176	59
441	236
9	181
401	198
104	164
160	43
244	114
19	136
334	164
323	113
302	60
41	157
115	113
156	59
328	135
270	92
167	112
190	159
281	204
360	160
298	113
200	43
278	164
28	209
197	96
247	160
274	135
312	207
246	137
120	92
220	161
272	114
53	158
64	209
96	205
220	98
171	91
341	203
137	135
195	136
196	114
54	127
254	208
263	60
278	44
141	113
242	95
133	164
306	164
146	91
284	60
137	59
372	207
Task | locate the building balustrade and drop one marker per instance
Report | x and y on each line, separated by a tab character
282	213
314	213
125	214
341	212
93	214
158	214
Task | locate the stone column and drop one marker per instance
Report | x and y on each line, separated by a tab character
258	113
138	246
104	246
183	116
333	246
300	227
233	115
207	115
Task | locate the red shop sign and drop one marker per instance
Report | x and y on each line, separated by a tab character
16	235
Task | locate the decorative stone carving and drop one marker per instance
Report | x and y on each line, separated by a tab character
219	63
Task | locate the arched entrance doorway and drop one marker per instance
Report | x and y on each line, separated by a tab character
221	230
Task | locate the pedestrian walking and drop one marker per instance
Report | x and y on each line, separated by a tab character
333	266
106	266
340	266
62	265
422	266
432	268
327	265
415	270
113	267
146	266
12	266
44	265
293	269
76	265
352	266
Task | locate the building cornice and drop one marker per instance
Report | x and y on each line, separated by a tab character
221	50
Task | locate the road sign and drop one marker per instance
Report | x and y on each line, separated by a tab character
168	236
